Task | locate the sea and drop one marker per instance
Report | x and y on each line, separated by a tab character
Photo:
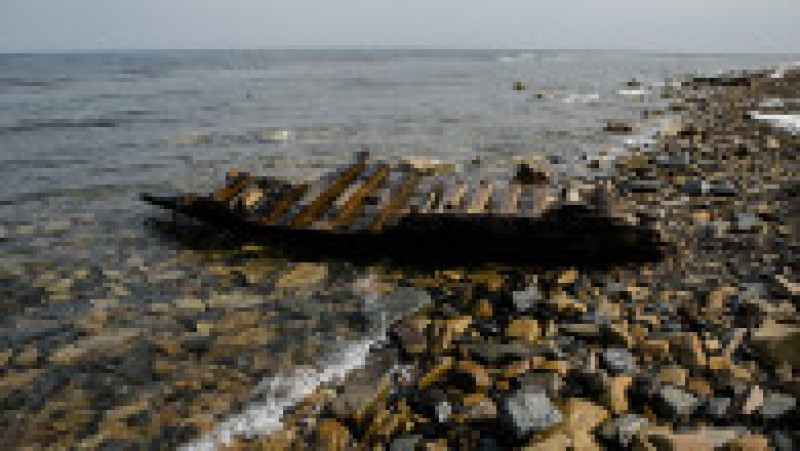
100	292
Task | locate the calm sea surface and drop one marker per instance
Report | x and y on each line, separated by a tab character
81	135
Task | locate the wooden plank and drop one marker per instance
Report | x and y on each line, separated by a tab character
506	199
478	201
535	200
236	182
398	199
283	203
319	196
452	197
350	206
425	195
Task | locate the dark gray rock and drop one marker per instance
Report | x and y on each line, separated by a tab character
675	402
500	353
405	443
622	430
777	405
718	408
619	360
526	299
529	410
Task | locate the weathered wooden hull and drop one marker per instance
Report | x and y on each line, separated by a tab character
571	235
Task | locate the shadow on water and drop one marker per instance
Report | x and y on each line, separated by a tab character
571	236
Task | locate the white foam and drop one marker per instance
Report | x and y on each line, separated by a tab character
581	98
780	72
633	92
788	122
283	392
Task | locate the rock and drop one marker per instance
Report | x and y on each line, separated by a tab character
331	435
786	287
750	442
529	410
496	354
615	395
567	277
529	173
619	361
675	402
554	442
301	275
471	377
524	329
699	439
405	443
689	349
527	299
777	405
618	127
582	415
549	382
436	374
673	375
96	347
745	223
622	430
519	85
411	335
718	408
753	400
778	341
190	305
446	331
477	407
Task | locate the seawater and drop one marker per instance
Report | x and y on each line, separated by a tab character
81	135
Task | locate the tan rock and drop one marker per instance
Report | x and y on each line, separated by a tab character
303	274
689	349
754	400
555	442
478	407
477	374
436	374
332	436
525	329
91	348
581	415
681	442
446	331
673	375
778	341
615	396
567	278
28	357
190	304
749	442
699	387
658	349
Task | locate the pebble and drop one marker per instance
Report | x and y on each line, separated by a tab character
529	410
619	361
622	430
718	408
776	405
527	299
675	402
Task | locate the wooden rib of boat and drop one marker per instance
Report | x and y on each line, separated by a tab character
378	207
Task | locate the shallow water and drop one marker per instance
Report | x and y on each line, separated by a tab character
81	135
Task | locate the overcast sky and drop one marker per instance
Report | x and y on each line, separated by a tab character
669	25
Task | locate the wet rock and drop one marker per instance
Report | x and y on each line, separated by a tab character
471	377
700	439
620	127
619	361
303	274
777	405
529	410
331	435
582	415
674	402
411	336
622	430
531	173
673	375
96	347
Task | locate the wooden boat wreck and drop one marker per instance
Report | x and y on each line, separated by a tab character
376	210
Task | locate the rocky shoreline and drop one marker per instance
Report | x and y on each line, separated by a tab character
698	351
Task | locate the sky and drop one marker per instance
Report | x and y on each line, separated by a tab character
746	26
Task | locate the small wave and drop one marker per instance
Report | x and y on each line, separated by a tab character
633	92
788	122
30	125
581	98
283	392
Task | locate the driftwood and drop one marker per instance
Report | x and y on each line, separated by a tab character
374	210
